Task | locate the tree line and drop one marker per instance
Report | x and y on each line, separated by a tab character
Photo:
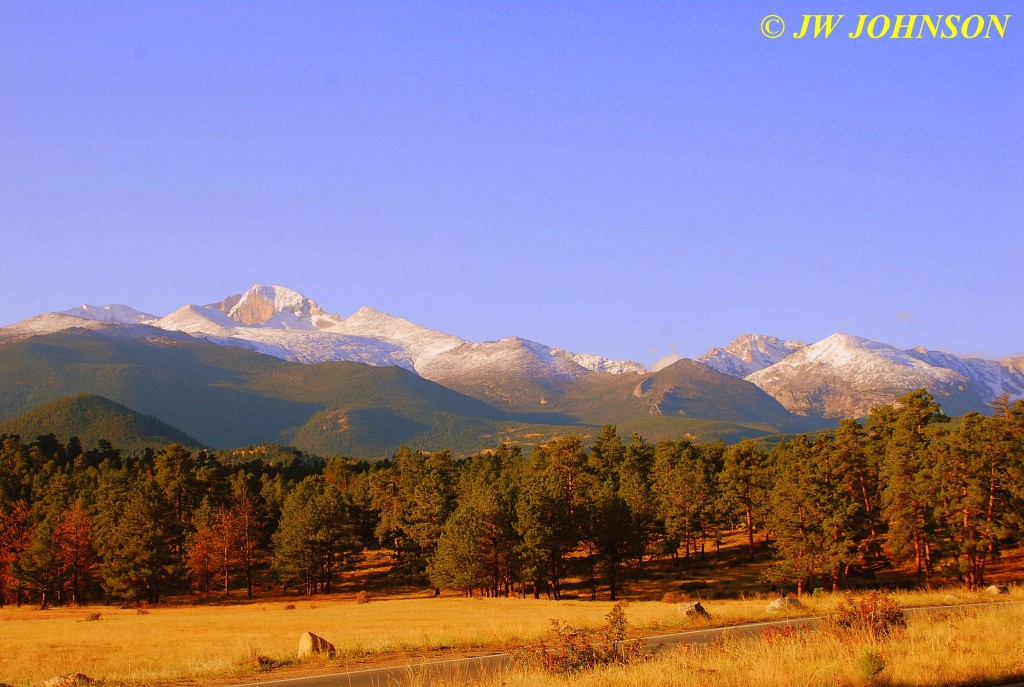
903	486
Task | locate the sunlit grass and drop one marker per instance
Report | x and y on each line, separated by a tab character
204	642
978	646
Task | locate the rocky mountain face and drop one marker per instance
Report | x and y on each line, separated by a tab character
275	307
749	353
845	376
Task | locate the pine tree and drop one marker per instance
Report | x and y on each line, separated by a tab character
75	549
909	493
39	567
551	510
315	537
744	484
15	529
138	540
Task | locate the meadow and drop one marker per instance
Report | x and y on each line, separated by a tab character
964	647
209	643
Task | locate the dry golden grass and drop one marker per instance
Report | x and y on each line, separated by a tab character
980	646
171	644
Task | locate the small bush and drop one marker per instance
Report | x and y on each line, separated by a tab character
363	598
289	607
141	611
92	617
877	615
775	635
675	597
257	661
871	666
572	650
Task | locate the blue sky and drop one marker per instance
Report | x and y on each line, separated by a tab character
630	179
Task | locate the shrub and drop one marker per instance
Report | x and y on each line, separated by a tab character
363	598
572	650
675	597
256	661
877	615
92	617
871	666
141	611
289	607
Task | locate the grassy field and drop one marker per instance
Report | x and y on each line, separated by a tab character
206	643
977	646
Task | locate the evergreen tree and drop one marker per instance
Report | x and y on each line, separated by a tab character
39	567
552	509
75	549
795	514
744	484
315	538
907	473
15	530
138	541
976	469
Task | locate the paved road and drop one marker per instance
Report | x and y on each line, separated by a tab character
464	669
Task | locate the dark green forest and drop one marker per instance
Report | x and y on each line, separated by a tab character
98	523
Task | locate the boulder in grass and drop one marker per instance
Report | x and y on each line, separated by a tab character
694	610
69	680
997	589
314	645
785	603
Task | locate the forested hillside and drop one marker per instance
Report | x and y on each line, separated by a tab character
903	487
93	418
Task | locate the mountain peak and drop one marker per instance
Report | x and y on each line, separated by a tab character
277	307
110	313
749	353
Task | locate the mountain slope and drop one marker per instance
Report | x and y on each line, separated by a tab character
684	389
92	418
275	307
845	376
111	313
988	377
275	320
749	353
226	396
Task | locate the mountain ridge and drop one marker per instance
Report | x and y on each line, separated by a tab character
841	374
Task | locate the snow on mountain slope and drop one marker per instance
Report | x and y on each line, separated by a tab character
197	319
298	345
749	353
276	307
596	363
845	376
49	323
420	343
110	313
513	373
513	356
990	377
278	321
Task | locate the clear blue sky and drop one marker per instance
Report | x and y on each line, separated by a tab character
630	179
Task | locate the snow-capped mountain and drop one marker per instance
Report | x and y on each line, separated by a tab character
845	376
420	343
277	321
110	313
749	353
276	307
842	375
993	378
